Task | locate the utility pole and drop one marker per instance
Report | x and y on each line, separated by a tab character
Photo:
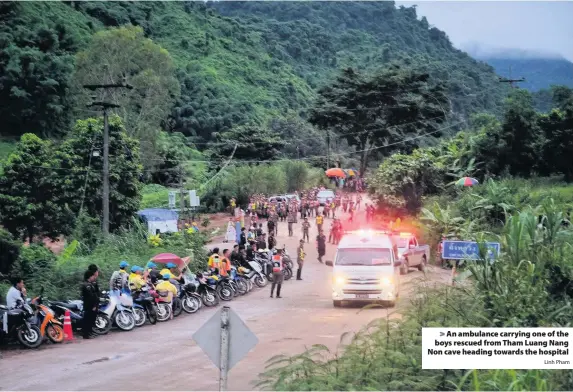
105	106
328	149
510	80
182	191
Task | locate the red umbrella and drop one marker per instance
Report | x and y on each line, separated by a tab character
335	172
165	258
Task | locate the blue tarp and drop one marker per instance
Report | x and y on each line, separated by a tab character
158	214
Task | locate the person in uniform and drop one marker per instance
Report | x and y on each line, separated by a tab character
278	275
321	245
300	259
305	229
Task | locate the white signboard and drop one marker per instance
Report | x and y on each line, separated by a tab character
194	199
172	200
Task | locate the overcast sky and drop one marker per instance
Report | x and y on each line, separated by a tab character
528	25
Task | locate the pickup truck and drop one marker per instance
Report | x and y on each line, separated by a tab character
410	252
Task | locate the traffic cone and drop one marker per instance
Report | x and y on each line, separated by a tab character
68	333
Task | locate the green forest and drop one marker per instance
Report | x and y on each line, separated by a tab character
238	98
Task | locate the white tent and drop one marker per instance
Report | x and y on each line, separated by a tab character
159	220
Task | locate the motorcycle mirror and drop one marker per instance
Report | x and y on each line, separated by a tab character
328	263
41	291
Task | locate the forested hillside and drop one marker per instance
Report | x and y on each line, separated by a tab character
259	62
319	38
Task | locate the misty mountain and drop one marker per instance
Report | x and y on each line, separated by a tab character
540	69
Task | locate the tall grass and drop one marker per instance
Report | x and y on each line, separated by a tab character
530	285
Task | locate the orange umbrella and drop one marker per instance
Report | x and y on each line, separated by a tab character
335	172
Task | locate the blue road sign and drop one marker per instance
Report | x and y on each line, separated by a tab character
469	250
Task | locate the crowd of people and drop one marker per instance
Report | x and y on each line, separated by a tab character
266	213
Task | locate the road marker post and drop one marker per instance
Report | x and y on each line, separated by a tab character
224	361
226	340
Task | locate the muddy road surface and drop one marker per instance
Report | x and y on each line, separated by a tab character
165	357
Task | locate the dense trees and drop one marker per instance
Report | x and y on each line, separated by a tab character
388	109
125	54
524	143
81	186
27	188
263	62
44	187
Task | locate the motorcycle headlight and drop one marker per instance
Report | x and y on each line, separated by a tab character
339	280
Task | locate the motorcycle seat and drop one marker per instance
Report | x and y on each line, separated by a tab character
68	305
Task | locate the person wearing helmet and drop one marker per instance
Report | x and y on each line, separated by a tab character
169	270
119	279
166	285
136	278
152	272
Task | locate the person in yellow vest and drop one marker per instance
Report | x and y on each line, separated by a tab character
333	208
214	259
319	222
166	285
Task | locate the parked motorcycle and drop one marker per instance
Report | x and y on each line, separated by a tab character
102	324
162	307
144	299
46	320
256	274
239	282
207	291
118	309
189	301
16	325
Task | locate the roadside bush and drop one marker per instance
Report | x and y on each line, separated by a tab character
9	251
37	265
61	276
401	182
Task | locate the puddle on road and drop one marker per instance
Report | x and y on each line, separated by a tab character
102	360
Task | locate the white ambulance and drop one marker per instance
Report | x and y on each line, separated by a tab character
366	268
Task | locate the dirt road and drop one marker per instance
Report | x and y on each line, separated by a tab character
165	357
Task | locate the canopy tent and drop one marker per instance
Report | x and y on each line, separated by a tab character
159	220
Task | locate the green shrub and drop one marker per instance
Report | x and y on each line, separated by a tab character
9	251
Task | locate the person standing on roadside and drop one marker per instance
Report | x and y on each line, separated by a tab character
291	219
305	229
319	222
272	242
278	275
271	225
300	259
321	245
90	298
